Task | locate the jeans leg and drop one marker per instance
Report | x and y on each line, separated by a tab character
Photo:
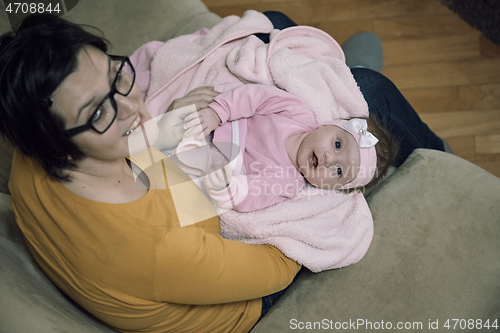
279	20
269	300
394	112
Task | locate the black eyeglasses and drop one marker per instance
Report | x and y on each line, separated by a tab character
105	114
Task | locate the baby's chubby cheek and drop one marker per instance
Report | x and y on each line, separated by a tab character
143	137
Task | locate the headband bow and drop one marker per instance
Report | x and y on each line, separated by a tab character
360	126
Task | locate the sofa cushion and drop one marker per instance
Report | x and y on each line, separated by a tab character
434	256
139	23
29	300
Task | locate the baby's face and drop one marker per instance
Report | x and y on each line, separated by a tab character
328	157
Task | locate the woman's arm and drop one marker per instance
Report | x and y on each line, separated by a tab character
193	264
196	267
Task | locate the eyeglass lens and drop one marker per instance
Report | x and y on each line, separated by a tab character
105	113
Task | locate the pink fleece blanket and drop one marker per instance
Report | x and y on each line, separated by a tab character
319	229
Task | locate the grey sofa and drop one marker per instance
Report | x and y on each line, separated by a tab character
434	259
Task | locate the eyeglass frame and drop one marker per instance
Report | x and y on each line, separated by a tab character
111	95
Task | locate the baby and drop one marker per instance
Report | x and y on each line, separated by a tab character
285	149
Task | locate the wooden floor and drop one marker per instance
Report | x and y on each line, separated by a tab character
444	67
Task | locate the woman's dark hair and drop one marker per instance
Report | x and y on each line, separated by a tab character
387	149
34	61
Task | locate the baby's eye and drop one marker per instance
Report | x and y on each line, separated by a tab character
337	144
339	171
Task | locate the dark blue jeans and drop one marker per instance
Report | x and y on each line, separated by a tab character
269	300
280	21
393	111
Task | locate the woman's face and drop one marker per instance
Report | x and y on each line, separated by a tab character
79	95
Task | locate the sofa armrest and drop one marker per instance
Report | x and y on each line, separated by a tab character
30	302
434	255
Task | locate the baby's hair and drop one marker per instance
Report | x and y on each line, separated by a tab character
387	149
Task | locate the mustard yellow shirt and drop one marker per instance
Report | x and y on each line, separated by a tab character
134	267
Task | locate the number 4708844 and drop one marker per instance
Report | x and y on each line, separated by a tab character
25	8
470	324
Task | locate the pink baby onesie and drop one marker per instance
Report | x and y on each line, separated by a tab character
273	116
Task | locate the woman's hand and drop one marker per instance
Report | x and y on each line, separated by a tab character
200	124
171	127
206	117
201	97
171	123
219	179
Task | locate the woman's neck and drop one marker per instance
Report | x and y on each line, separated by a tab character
105	182
101	174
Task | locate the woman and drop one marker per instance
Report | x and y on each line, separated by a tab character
108	242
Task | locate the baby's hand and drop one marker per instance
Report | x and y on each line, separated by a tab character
219	179
200	124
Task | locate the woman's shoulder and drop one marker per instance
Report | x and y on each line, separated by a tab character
24	170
